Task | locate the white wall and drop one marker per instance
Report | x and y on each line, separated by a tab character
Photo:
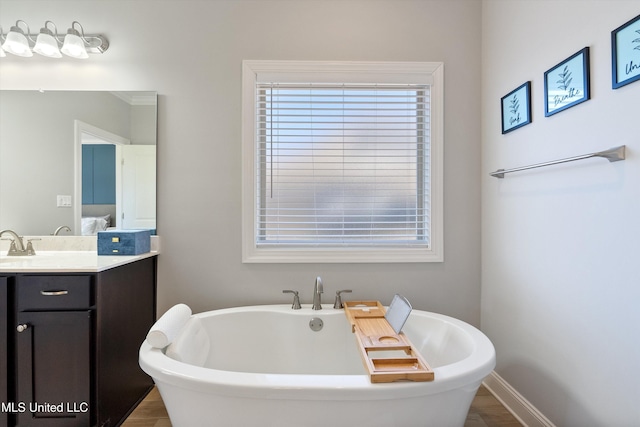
144	123
560	251
191	53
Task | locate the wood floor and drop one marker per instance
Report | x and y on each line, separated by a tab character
486	411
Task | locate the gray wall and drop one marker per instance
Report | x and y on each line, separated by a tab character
560	279
199	128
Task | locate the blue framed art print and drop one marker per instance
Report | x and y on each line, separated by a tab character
567	84
516	108
625	53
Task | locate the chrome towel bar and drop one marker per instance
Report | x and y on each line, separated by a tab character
613	155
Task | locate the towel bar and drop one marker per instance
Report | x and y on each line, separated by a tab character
613	155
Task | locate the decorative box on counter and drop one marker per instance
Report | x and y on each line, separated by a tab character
124	242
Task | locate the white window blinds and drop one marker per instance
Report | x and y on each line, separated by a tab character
342	164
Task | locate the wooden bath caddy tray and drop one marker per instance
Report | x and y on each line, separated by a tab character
375	335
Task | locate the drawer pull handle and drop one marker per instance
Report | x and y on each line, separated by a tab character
22	328
53	293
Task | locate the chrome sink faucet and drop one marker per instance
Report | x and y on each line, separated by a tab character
317	294
59	229
17	247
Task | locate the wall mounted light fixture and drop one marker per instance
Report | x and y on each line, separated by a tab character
47	42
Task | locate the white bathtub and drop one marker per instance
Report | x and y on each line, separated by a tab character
266	367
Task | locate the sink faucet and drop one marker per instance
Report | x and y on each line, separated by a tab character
59	229
317	294
17	245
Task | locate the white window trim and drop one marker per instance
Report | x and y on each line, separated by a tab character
397	72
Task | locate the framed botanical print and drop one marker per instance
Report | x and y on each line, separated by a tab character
625	53
567	84
516	108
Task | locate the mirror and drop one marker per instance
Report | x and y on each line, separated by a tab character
53	170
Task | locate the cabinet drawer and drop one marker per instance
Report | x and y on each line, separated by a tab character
54	292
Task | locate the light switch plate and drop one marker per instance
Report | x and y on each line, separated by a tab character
64	201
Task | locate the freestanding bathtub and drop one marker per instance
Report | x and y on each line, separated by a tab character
266	367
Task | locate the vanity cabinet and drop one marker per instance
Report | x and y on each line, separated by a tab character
53	349
54	368
75	340
4	343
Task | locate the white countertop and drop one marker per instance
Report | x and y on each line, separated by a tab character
66	262
72	254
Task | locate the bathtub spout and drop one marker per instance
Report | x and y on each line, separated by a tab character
317	294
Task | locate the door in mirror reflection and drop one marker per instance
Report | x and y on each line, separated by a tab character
139	187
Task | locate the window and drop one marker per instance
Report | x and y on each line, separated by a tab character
342	162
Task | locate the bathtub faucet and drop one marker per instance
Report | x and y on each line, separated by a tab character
338	302
317	294
296	299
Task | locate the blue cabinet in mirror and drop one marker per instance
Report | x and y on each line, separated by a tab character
99	174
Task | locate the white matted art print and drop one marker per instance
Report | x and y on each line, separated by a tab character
567	84
516	108
625	53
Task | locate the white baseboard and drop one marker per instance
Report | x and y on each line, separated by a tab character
520	407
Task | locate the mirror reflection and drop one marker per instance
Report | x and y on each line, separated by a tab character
77	162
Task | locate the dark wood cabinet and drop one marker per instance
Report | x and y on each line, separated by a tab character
4	343
53	355
125	311
72	345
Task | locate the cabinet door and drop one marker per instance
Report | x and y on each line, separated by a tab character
98	174
4	353
54	368
104	174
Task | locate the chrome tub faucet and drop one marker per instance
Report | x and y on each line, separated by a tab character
296	299
317	294
337	304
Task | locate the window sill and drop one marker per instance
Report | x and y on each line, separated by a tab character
333	255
